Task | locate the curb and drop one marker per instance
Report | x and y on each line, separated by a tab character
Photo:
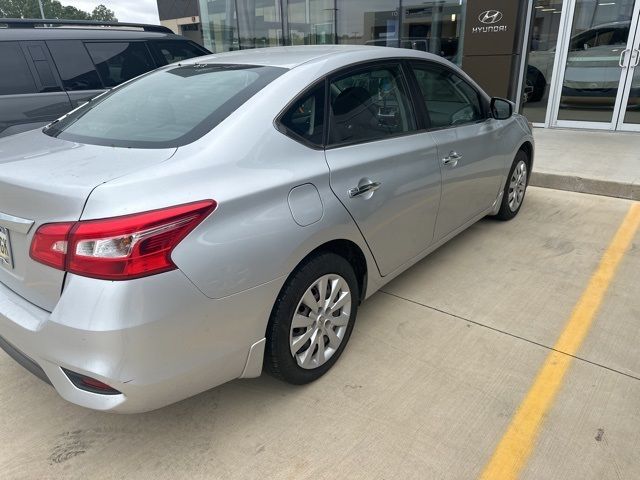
586	185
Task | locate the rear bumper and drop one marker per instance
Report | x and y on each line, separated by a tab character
23	360
157	340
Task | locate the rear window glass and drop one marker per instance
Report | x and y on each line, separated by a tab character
118	62
167	108
16	77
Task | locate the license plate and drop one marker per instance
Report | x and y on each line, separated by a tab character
5	249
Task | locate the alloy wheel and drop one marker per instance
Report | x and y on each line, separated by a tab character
320	321
517	186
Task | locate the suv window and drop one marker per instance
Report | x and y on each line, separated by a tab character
369	104
170	107
305	118
48	82
18	78
74	65
118	62
448	99
177	50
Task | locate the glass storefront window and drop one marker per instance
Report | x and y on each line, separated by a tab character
435	27
219	25
238	24
259	23
537	85
374	22
632	108
311	22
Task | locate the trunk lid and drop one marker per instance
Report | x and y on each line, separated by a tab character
43	180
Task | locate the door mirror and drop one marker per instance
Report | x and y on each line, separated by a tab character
501	109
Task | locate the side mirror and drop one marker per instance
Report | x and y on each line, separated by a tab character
501	109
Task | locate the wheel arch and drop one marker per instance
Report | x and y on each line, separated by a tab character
351	252
527	148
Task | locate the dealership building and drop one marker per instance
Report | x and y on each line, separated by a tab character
566	63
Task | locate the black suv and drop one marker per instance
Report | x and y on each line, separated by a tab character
49	67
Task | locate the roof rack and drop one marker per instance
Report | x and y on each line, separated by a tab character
39	23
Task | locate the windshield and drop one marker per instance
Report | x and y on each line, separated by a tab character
166	108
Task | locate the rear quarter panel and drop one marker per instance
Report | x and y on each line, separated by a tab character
249	168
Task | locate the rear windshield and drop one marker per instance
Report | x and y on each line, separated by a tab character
170	107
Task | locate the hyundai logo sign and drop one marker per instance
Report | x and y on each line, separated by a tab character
490	17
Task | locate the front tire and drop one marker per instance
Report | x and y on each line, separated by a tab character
312	319
515	188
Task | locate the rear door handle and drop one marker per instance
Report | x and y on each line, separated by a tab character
362	189
452	159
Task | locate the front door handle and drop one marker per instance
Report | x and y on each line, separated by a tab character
452	159
362	189
635	55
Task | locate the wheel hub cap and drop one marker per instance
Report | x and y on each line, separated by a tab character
320	321
517	186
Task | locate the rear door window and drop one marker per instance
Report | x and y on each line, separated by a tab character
16	77
370	104
74	65
170	51
118	62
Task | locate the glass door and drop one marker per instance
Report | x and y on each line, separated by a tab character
539	74
629	114
596	58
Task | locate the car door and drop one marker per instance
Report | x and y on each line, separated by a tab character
383	168
472	167
30	93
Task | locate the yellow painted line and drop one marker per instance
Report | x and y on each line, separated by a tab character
517	444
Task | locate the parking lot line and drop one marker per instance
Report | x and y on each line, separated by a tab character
517	443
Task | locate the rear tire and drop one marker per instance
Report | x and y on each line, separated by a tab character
312	319
515	187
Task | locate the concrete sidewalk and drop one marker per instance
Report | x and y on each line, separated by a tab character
600	163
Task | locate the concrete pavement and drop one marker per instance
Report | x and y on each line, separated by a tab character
596	162
437	365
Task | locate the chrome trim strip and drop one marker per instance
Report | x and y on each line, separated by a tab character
16	224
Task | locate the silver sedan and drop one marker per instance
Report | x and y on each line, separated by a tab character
231	212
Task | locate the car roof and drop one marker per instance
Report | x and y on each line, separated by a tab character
291	57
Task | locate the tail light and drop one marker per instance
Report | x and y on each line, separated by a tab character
119	248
